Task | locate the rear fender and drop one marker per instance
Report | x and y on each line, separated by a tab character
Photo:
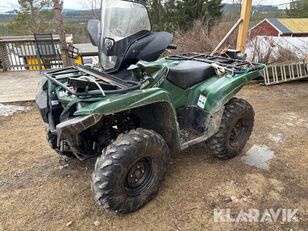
217	91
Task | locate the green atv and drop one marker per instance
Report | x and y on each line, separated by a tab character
135	107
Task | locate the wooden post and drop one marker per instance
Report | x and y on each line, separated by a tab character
60	26
243	28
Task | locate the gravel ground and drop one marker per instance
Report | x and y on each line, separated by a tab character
35	194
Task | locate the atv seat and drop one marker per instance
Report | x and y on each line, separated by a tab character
189	73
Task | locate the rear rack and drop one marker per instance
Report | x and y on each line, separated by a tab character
235	66
56	76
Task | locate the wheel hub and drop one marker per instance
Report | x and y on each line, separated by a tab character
237	132
138	174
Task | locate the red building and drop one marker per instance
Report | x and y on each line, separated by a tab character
292	27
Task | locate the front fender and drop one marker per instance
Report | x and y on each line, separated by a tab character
134	99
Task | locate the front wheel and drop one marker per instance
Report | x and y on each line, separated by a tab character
234	131
129	172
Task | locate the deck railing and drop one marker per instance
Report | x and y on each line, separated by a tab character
19	52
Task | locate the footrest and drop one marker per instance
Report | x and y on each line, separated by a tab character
189	134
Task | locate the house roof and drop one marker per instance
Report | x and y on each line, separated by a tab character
279	25
296	25
288	25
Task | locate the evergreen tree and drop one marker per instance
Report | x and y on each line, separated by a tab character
157	13
181	14
33	16
207	11
298	9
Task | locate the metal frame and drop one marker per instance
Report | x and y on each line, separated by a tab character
281	73
235	66
75	72
48	54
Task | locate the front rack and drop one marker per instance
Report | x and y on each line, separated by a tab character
235	66
74	73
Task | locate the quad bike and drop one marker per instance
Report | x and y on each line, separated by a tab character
137	106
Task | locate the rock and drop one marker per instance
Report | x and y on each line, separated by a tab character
234	199
227	200
63	166
68	224
63	162
97	223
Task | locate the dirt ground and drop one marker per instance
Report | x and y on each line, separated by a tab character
35	194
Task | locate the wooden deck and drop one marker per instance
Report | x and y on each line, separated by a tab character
16	86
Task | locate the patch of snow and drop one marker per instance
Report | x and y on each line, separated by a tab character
291	119
275	138
8	110
259	156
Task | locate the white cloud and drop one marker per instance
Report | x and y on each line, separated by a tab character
6	5
73	4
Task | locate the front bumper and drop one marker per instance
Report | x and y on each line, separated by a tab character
69	131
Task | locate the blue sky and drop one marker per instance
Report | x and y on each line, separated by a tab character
6	5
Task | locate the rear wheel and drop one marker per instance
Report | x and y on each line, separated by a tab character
234	131
129	172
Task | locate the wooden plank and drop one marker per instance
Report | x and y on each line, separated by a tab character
243	28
